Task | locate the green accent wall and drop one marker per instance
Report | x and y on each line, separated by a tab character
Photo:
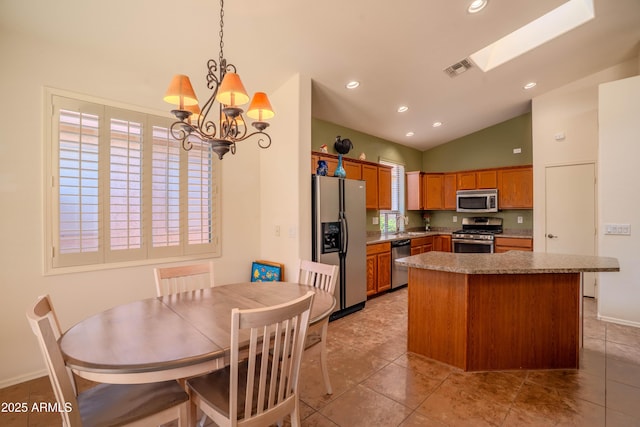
323	132
491	147
488	148
374	148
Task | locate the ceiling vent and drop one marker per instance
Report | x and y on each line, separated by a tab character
458	68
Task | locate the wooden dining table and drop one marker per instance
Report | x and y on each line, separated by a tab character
175	336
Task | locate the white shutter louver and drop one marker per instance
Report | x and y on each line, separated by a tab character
124	190
78	191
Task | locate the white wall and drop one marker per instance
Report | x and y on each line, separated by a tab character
572	110
619	187
285	179
30	64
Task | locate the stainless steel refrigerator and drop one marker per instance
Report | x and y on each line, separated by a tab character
339	237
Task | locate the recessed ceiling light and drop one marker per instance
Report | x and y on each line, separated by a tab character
402	108
353	84
410	134
477	5
436	124
530	85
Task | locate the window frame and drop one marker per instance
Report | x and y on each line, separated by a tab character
400	213
104	258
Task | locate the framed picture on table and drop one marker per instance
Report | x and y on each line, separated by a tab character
267	271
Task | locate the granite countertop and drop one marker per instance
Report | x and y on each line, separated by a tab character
512	262
382	237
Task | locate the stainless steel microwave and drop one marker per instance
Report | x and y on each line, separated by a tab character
477	200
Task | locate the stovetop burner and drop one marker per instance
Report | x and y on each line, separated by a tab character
480	228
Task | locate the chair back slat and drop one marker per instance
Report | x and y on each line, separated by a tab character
172	280
319	275
46	328
276	343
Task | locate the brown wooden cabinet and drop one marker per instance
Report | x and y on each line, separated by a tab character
352	169
370	175
384	187
449	191
504	244
472	180
437	191
415	193
421	244
487	179
378	177
515	188
466	180
378	268
434	195
442	243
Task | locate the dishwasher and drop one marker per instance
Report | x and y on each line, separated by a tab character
399	273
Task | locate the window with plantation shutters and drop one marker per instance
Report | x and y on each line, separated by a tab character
124	190
392	220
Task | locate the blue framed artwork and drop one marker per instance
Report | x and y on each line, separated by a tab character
266	271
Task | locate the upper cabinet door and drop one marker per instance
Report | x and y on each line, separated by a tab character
515	188
487	179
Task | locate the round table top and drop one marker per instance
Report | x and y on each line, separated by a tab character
174	336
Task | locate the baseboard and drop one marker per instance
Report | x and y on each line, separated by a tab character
22	378
618	321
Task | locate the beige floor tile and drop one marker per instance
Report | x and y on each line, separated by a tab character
402	385
377	383
623	398
361	406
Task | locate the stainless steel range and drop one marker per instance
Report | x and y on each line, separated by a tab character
477	235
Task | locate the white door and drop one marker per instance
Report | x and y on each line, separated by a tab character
571	213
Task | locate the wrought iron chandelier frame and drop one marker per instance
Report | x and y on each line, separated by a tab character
229	127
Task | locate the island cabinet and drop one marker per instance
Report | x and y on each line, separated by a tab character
378	268
482	312
421	245
504	244
515	188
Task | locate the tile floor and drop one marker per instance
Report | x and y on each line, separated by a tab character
377	383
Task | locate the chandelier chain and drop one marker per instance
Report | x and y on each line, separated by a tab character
221	30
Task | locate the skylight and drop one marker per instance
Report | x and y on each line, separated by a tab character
549	26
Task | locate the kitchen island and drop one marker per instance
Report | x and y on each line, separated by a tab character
515	310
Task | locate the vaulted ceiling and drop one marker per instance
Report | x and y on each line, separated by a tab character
396	50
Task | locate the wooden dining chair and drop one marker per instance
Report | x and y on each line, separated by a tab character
325	277
256	389
171	280
105	404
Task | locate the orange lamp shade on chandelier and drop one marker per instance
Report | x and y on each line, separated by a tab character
223	127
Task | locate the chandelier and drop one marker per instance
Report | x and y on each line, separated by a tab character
221	125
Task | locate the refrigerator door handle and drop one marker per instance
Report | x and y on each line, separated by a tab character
345	235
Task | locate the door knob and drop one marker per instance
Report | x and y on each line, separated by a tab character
552	236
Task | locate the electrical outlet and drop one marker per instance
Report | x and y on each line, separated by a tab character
517	150
374	220
455	218
520	220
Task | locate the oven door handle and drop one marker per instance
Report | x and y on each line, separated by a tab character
475	242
